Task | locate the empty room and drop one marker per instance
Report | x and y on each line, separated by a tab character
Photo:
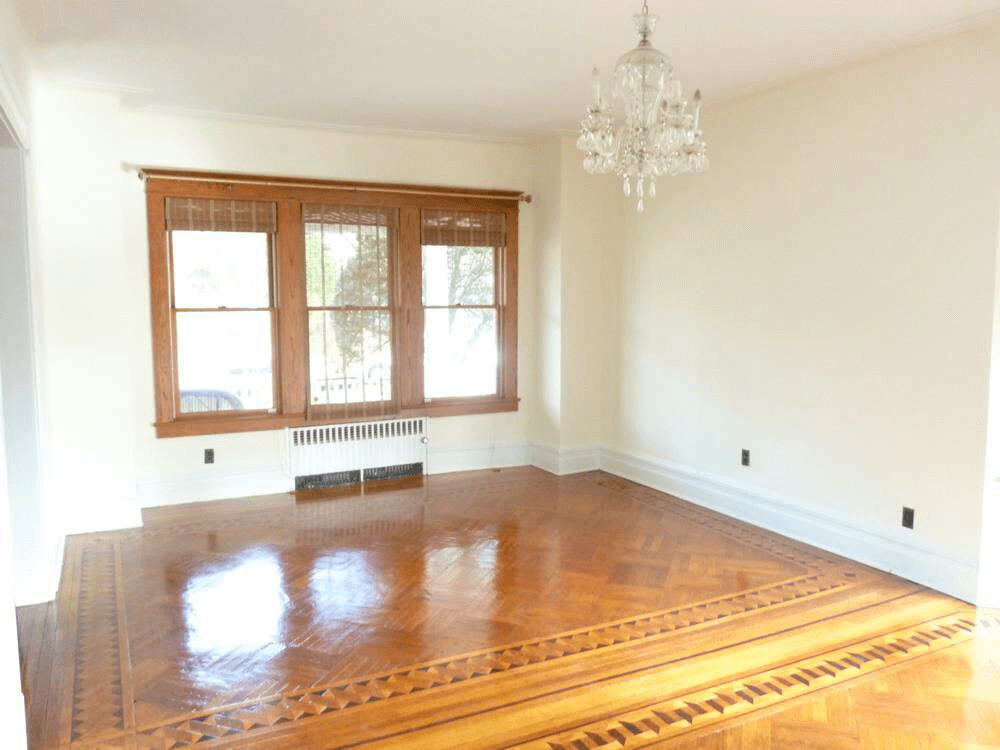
554	376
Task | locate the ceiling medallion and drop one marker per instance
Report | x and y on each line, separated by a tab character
661	134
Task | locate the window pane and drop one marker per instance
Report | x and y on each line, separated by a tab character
458	275
350	357
224	361
220	269
347	265
460	352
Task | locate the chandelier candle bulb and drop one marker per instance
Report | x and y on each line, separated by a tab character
660	135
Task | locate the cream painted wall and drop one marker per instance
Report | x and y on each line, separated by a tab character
824	297
989	555
104	442
20	516
579	243
89	330
594	211
34	546
37	545
546	422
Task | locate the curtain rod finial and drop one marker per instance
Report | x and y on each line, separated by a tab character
128	166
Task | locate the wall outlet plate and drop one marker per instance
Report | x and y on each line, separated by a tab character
907	517
745	457
210	455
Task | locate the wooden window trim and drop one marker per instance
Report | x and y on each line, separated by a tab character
288	283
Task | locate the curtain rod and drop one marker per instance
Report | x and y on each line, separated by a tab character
165	174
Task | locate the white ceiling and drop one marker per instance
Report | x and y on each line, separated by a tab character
505	68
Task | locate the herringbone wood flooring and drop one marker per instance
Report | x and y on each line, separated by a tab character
948	700
489	609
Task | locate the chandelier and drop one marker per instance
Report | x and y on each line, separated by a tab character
661	133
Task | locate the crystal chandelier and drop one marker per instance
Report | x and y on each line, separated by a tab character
661	133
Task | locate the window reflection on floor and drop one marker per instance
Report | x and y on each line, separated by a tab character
345	585
237	607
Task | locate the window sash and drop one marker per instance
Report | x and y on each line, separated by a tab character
350	216
180	393
427	238
249	208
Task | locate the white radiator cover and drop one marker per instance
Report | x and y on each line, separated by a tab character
357	446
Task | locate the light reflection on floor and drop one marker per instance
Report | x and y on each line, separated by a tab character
983	684
240	606
344	584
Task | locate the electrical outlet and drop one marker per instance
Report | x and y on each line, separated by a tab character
745	457
210	455
907	517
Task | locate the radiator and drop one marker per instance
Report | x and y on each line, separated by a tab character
330	455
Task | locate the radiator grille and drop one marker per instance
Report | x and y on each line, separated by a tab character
330	479
394	472
375	450
341	433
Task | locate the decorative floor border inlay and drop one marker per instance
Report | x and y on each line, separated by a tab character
741	531
822	573
661	721
306	704
97	660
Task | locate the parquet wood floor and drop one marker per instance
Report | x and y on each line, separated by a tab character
491	610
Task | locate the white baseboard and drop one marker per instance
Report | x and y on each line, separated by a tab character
948	571
208	485
106	514
471	458
44	586
214	485
544	457
562	461
943	570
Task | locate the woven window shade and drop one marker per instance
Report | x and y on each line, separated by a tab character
463	228
377	216
202	214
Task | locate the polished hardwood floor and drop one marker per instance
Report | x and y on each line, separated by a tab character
493	609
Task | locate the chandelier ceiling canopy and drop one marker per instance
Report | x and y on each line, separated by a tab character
661	133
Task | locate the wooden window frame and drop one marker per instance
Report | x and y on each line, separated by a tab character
290	346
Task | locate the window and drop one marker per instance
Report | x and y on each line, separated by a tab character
460	254
349	253
279	302
223	308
